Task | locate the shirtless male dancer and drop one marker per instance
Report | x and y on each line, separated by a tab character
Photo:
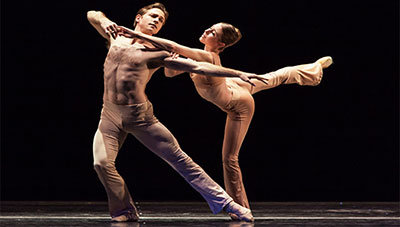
128	68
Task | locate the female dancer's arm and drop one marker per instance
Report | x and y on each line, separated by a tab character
208	69
199	61
193	53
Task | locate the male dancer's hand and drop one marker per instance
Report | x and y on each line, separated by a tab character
110	28
128	33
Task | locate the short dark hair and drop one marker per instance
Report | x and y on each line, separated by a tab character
157	5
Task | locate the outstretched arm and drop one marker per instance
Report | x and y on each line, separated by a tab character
102	24
172	72
209	69
193	53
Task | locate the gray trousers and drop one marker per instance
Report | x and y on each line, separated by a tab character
119	120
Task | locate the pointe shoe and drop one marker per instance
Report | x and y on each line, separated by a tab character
325	61
127	217
242	213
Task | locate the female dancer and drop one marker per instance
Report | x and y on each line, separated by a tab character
232	95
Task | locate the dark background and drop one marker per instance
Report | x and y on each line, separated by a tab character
338	141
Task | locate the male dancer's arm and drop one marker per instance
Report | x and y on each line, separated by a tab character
102	24
171	46
172	72
208	69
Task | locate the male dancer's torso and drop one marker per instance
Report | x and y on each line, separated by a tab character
127	70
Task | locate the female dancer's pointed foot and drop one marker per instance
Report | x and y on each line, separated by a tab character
238	212
325	61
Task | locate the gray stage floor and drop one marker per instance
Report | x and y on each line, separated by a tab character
198	214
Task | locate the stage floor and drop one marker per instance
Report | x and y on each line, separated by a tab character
38	213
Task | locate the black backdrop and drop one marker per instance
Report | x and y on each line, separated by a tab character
338	141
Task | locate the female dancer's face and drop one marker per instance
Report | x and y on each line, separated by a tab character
211	36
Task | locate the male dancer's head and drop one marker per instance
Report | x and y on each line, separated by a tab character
151	18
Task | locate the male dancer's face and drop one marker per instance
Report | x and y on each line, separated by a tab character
151	22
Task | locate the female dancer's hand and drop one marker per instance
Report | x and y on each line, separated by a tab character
246	77
173	55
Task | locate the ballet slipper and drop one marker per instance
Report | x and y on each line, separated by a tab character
127	217
325	61
234	217
242	213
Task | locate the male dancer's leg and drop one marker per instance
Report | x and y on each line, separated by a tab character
160	141
237	123
140	121
107	142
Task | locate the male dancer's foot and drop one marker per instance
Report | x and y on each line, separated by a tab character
234	217
238	212
127	217
325	61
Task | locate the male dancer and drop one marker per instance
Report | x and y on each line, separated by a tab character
128	68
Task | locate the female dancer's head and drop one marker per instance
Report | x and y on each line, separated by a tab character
220	36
